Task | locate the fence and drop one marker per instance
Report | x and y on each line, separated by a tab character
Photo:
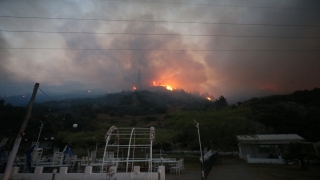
209	159
87	175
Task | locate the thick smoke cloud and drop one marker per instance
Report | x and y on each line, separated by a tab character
120	67
4	58
267	66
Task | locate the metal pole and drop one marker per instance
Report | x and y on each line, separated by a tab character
20	134
39	133
150	162
201	158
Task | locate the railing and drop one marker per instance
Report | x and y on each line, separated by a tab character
87	175
209	159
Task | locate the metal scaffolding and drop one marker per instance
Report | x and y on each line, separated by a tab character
128	140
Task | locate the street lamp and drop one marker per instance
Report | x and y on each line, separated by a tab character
75	125
201	158
52	138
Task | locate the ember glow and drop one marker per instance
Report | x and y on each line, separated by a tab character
134	88
163	85
209	98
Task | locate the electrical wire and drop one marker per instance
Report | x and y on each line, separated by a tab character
168	50
210	4
47	97
162	21
45	94
159	34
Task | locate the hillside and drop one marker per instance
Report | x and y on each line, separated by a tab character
298	113
172	114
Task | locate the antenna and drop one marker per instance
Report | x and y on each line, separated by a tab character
139	85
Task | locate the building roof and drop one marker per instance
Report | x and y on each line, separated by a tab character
270	137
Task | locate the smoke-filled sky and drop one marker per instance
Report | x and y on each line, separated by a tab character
235	48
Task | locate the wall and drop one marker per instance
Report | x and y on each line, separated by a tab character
317	149
253	151
63	175
265	160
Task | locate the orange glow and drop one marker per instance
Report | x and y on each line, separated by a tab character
209	98
134	88
168	87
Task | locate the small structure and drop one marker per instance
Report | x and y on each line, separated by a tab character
131	136
265	148
316	147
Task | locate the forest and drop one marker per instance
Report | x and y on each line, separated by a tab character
171	113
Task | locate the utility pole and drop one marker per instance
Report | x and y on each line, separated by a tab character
201	157
20	134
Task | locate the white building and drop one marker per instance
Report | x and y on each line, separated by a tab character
265	148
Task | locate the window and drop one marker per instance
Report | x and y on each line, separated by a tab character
264	149
271	148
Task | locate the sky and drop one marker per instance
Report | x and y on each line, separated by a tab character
236	48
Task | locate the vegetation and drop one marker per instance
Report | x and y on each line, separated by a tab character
172	113
300	152
11	116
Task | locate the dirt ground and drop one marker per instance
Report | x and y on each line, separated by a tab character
224	169
237	169
233	169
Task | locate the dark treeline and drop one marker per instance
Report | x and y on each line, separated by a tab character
298	113
172	113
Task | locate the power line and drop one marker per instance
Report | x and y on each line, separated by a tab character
168	50
160	34
48	98
211	4
46	94
162	21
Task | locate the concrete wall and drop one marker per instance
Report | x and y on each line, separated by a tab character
243	152
87	175
251	154
265	160
246	149
254	151
317	148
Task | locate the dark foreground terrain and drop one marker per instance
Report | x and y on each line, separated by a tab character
235	169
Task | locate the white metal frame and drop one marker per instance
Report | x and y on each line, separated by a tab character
145	135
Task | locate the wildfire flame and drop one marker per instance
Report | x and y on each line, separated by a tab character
134	88
163	85
209	98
